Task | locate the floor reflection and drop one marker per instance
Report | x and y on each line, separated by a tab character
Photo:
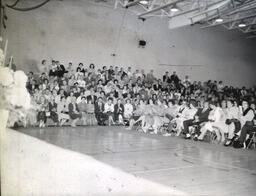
188	165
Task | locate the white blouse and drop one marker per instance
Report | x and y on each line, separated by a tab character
128	109
108	108
216	115
233	113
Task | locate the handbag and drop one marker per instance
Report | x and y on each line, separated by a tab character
228	122
237	144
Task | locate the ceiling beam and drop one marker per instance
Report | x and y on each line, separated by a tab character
195	9
251	7
159	8
229	21
126	5
250	37
251	31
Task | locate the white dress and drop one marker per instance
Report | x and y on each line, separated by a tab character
128	110
218	117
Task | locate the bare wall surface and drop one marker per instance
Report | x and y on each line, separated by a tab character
88	32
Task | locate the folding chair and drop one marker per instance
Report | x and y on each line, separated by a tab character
251	141
210	136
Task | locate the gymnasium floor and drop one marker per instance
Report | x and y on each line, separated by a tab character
197	168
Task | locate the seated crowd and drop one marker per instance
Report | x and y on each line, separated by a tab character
113	96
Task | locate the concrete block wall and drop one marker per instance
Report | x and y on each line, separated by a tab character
88	32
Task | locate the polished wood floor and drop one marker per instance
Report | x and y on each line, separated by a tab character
197	168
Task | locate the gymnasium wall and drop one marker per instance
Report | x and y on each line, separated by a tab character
89	32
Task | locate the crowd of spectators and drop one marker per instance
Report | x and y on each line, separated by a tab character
83	95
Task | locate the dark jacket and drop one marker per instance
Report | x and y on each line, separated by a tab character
118	109
99	108
203	116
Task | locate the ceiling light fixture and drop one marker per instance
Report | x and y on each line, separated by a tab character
219	20
144	2
174	9
242	25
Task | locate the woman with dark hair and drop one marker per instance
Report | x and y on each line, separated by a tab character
138	114
247	122
148	115
90	110
215	120
91	66
52	111
232	122
73	112
119	112
41	116
128	109
71	81
99	109
80	67
109	111
82	107
125	91
159	116
187	114
62	111
200	117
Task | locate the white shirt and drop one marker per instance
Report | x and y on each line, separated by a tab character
81	83
248	117
233	113
108	108
128	109
216	115
79	99
190	113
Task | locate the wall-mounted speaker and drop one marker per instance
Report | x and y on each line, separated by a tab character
142	43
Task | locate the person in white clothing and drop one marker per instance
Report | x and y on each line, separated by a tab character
179	118
128	109
188	113
232	122
215	123
248	124
109	111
